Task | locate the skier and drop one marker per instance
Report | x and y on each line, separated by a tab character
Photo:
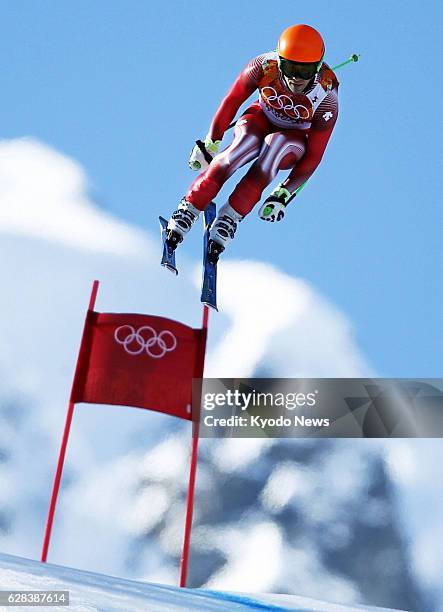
287	128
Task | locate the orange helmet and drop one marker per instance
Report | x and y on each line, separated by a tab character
301	43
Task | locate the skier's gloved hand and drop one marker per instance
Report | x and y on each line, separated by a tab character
273	208
203	153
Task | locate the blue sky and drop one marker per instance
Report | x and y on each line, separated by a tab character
126	87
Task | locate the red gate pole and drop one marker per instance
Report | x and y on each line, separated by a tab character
61	458
192	474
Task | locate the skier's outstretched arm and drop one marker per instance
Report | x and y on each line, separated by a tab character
244	85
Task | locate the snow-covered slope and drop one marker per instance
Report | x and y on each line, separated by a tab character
89	592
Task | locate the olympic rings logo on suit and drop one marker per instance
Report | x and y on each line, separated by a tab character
285	103
145	338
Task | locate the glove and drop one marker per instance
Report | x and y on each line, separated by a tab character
203	153
273	208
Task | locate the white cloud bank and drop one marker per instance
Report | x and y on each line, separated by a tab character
283	324
44	194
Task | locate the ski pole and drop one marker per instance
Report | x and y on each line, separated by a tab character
354	58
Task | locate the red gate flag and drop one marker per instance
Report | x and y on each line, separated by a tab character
136	360
139	360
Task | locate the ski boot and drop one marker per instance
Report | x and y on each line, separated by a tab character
180	223
222	231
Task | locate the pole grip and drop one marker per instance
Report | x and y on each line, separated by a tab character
201	145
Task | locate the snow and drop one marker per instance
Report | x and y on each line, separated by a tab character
89	592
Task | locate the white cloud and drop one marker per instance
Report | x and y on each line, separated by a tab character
282	324
254	558
233	454
415	467
44	194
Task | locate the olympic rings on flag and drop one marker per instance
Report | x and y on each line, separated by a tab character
145	339
284	103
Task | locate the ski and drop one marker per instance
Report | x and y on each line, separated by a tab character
209	281
168	257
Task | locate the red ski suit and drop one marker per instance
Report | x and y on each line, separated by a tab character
281	131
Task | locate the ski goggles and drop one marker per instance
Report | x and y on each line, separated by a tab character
298	70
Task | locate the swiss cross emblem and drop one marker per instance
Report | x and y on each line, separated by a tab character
327	116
